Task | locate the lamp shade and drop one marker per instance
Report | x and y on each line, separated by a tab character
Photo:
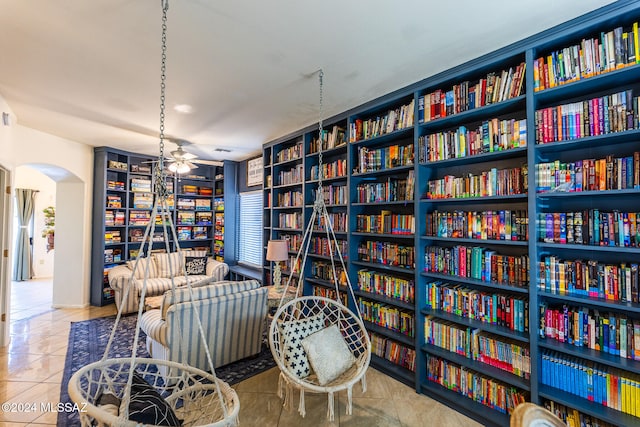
179	167
277	250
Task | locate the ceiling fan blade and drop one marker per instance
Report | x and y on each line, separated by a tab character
191	165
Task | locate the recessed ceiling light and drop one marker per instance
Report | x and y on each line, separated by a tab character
183	108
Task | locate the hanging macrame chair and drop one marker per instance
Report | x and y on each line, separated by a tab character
196	397
337	348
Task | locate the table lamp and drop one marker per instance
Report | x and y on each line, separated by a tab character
277	251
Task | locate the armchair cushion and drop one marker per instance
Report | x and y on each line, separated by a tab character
169	265
142	265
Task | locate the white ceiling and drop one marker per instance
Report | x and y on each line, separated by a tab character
89	70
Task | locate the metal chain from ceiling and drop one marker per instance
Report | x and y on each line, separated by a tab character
320	136
160	172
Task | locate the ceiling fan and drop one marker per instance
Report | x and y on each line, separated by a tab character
180	160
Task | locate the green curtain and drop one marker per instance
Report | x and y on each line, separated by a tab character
22	266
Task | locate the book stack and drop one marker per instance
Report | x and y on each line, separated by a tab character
204	218
200	233
111	237
371	160
395	119
205	204
394	352
115	185
114	164
143	201
321	246
494	182
290	199
294	175
113	218
140	185
135	236
386	253
114	201
290	220
186	204
139	217
184	233
391	190
189	189
386	223
335	169
205	191
485	225
186	218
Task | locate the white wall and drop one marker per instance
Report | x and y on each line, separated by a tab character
70	165
28	177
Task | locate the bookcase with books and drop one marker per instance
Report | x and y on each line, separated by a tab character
516	252
122	207
319	273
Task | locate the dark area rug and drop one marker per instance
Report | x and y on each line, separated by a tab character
88	340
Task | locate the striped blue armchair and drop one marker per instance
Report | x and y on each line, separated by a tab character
232	315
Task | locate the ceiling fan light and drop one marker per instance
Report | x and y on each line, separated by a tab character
179	167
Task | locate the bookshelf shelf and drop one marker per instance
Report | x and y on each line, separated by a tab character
293	184
475	283
502	171
590	408
486	157
475	114
325	283
401	338
383	267
593	355
489	370
628	307
476	324
327	180
385	299
476	241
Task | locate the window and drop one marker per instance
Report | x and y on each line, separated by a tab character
250	228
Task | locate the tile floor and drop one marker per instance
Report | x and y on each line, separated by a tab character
31	372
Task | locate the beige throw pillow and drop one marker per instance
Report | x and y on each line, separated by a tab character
328	354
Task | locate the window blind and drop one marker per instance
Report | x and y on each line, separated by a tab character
250	228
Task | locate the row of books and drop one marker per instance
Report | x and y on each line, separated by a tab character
613	282
386	253
139	217
394	119
321	291
196	204
474	385
590	227
140	168
194	218
386	285
330	139
194	190
495	87
338	220
491	308
324	270
393	351
390	190
143	200
218	204
290	220
289	153
478	263
192	233
490	136
140	185
335	169
609	51
113	218
612	388
387	316
333	194
508	355
572	417
115	185
609	173
321	246
371	160
293	240
494	182
386	223
112	255
486	225
597	116
611	333
114	201
290	199
112	236
294	175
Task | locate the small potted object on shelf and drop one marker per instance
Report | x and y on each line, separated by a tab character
48	232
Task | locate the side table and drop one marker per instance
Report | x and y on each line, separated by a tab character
273	298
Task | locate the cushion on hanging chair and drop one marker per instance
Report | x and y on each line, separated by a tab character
328	354
147	406
293	332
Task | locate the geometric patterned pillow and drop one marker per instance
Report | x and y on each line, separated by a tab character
293	332
147	406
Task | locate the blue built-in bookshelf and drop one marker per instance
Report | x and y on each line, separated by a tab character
495	204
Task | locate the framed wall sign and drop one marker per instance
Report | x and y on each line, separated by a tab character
254	172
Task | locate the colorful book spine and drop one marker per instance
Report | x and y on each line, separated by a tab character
494	182
387	285
511	225
387	316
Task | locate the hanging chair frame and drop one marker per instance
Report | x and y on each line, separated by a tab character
199	396
334	311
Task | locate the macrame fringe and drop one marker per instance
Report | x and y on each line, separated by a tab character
301	408
330	410
363	381
281	386
349	400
